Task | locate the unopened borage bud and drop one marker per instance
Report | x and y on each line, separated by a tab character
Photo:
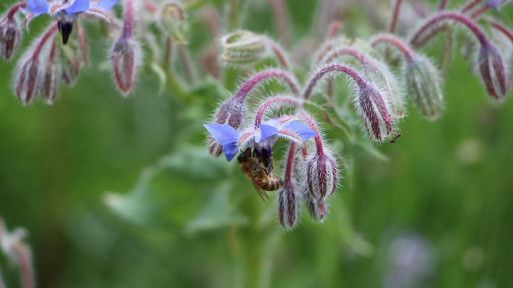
125	58
10	34
27	79
321	173
423	84
493	72
231	112
242	47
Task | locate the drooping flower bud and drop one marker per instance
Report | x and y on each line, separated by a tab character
288	205
126	59
423	85
242	47
317	208
10	34
172	19
70	64
231	112
381	76
376	113
50	78
27	79
493	72
321	173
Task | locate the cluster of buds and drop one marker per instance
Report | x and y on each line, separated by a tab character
311	172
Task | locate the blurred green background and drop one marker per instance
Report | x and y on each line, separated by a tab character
173	220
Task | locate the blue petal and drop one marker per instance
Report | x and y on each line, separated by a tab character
300	129
267	131
223	133
104	5
494	3
37	7
230	149
78	6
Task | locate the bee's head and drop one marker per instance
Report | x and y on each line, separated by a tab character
243	157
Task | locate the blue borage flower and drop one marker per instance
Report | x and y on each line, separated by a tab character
65	11
263	136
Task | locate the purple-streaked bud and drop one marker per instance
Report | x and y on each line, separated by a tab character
493	72
288	205
321	173
317	208
376	113
242	47
231	112
423	84
126	60
10	35
51	76
27	79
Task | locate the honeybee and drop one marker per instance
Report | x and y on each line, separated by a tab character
258	168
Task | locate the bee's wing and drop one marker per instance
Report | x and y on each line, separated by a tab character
263	195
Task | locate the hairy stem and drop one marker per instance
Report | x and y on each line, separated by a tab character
393	41
443	5
128	20
432	23
15	9
470	5
280	55
395	15
307	118
331	68
290	162
264	75
273	102
46	36
503	29
282	20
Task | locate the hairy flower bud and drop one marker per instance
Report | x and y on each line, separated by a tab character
423	85
376	113
10	34
317	208
125	59
172	19
242	47
381	76
27	79
231	112
288	205
493	72
51	77
321	173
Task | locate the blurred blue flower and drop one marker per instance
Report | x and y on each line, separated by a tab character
233	141
65	11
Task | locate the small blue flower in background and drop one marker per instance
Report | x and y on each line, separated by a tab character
65	11
262	137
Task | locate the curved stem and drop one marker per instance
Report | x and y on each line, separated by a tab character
479	12
307	118
434	21
290	161
470	5
15	9
274	101
395	15
443	5
264	75
332	68
393	41
355	53
129	19
280	55
508	33
46	36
